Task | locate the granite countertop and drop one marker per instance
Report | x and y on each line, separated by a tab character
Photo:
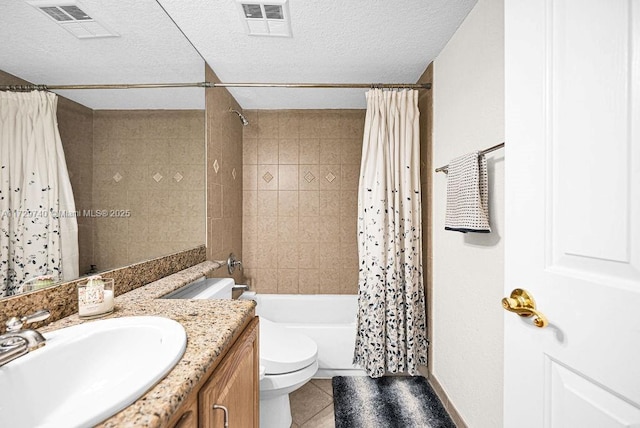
210	327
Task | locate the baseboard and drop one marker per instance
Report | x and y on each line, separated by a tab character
448	405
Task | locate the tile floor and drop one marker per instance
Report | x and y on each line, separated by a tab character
312	405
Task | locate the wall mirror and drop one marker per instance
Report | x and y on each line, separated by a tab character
135	157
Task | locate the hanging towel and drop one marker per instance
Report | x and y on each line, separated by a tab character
468	194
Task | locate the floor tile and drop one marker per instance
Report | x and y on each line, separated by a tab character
324	384
308	401
324	419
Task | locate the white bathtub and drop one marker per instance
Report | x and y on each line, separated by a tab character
328	319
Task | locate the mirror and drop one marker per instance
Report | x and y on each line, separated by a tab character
135	157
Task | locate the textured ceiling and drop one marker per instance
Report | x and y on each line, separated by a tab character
361	41
150	49
355	41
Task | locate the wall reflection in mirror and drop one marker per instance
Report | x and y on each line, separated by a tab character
132	169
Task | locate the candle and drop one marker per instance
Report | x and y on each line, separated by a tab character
95	297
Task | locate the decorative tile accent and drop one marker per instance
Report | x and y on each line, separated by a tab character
330	177
117	177
233	173
267	177
157	177
178	177
309	177
216	166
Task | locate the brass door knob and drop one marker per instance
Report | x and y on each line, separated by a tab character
522	303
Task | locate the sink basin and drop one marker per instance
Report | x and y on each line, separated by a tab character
88	372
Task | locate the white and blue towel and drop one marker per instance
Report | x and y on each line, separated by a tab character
468	194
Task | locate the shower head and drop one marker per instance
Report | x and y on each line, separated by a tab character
243	119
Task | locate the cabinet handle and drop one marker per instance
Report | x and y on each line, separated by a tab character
226	414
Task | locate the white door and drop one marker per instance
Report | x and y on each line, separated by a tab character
573	212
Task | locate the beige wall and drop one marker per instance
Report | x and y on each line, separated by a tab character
224	183
75	123
468	268
300	200
133	148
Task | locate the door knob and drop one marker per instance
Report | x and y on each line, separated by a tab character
522	303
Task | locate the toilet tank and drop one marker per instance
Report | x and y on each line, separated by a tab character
204	288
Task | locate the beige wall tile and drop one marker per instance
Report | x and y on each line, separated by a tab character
267	124
267	255
350	176
267	151
330	177
308	255
329	229
330	151
288	124
267	203
251	130
314	159
309	150
288	177
308	229
288	255
348	203
288	229
288	152
249	151
250	177
287	203
215	201
225	145
329	255
267	177
308	203
267	228
329	280
308	177
250	203
266	280
329	202
288	281
308	281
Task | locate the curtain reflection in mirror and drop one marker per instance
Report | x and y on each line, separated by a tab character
38	226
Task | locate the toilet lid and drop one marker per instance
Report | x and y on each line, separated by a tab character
283	350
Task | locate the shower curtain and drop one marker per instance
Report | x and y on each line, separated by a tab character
391	331
38	226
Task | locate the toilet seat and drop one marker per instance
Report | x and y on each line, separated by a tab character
284	351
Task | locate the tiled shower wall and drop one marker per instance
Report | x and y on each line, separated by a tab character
301	170
150	162
224	176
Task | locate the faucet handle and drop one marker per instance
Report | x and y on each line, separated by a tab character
15	323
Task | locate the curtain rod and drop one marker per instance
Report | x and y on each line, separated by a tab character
445	168
217	85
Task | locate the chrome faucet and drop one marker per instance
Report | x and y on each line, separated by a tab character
16	342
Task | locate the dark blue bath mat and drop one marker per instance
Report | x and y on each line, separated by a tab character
387	402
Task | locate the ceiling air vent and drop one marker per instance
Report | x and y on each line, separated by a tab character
73	18
266	19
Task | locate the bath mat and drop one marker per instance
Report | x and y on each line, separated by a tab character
387	402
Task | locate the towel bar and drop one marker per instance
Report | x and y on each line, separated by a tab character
445	168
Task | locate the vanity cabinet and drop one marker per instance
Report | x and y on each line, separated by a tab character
232	387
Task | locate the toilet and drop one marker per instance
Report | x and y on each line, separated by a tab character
288	360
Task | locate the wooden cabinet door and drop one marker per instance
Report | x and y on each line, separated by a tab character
234	386
187	416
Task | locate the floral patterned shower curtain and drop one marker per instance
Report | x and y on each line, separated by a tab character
38	226
391	332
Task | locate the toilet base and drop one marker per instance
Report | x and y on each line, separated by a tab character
275	412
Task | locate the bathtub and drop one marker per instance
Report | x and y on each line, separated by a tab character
328	319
